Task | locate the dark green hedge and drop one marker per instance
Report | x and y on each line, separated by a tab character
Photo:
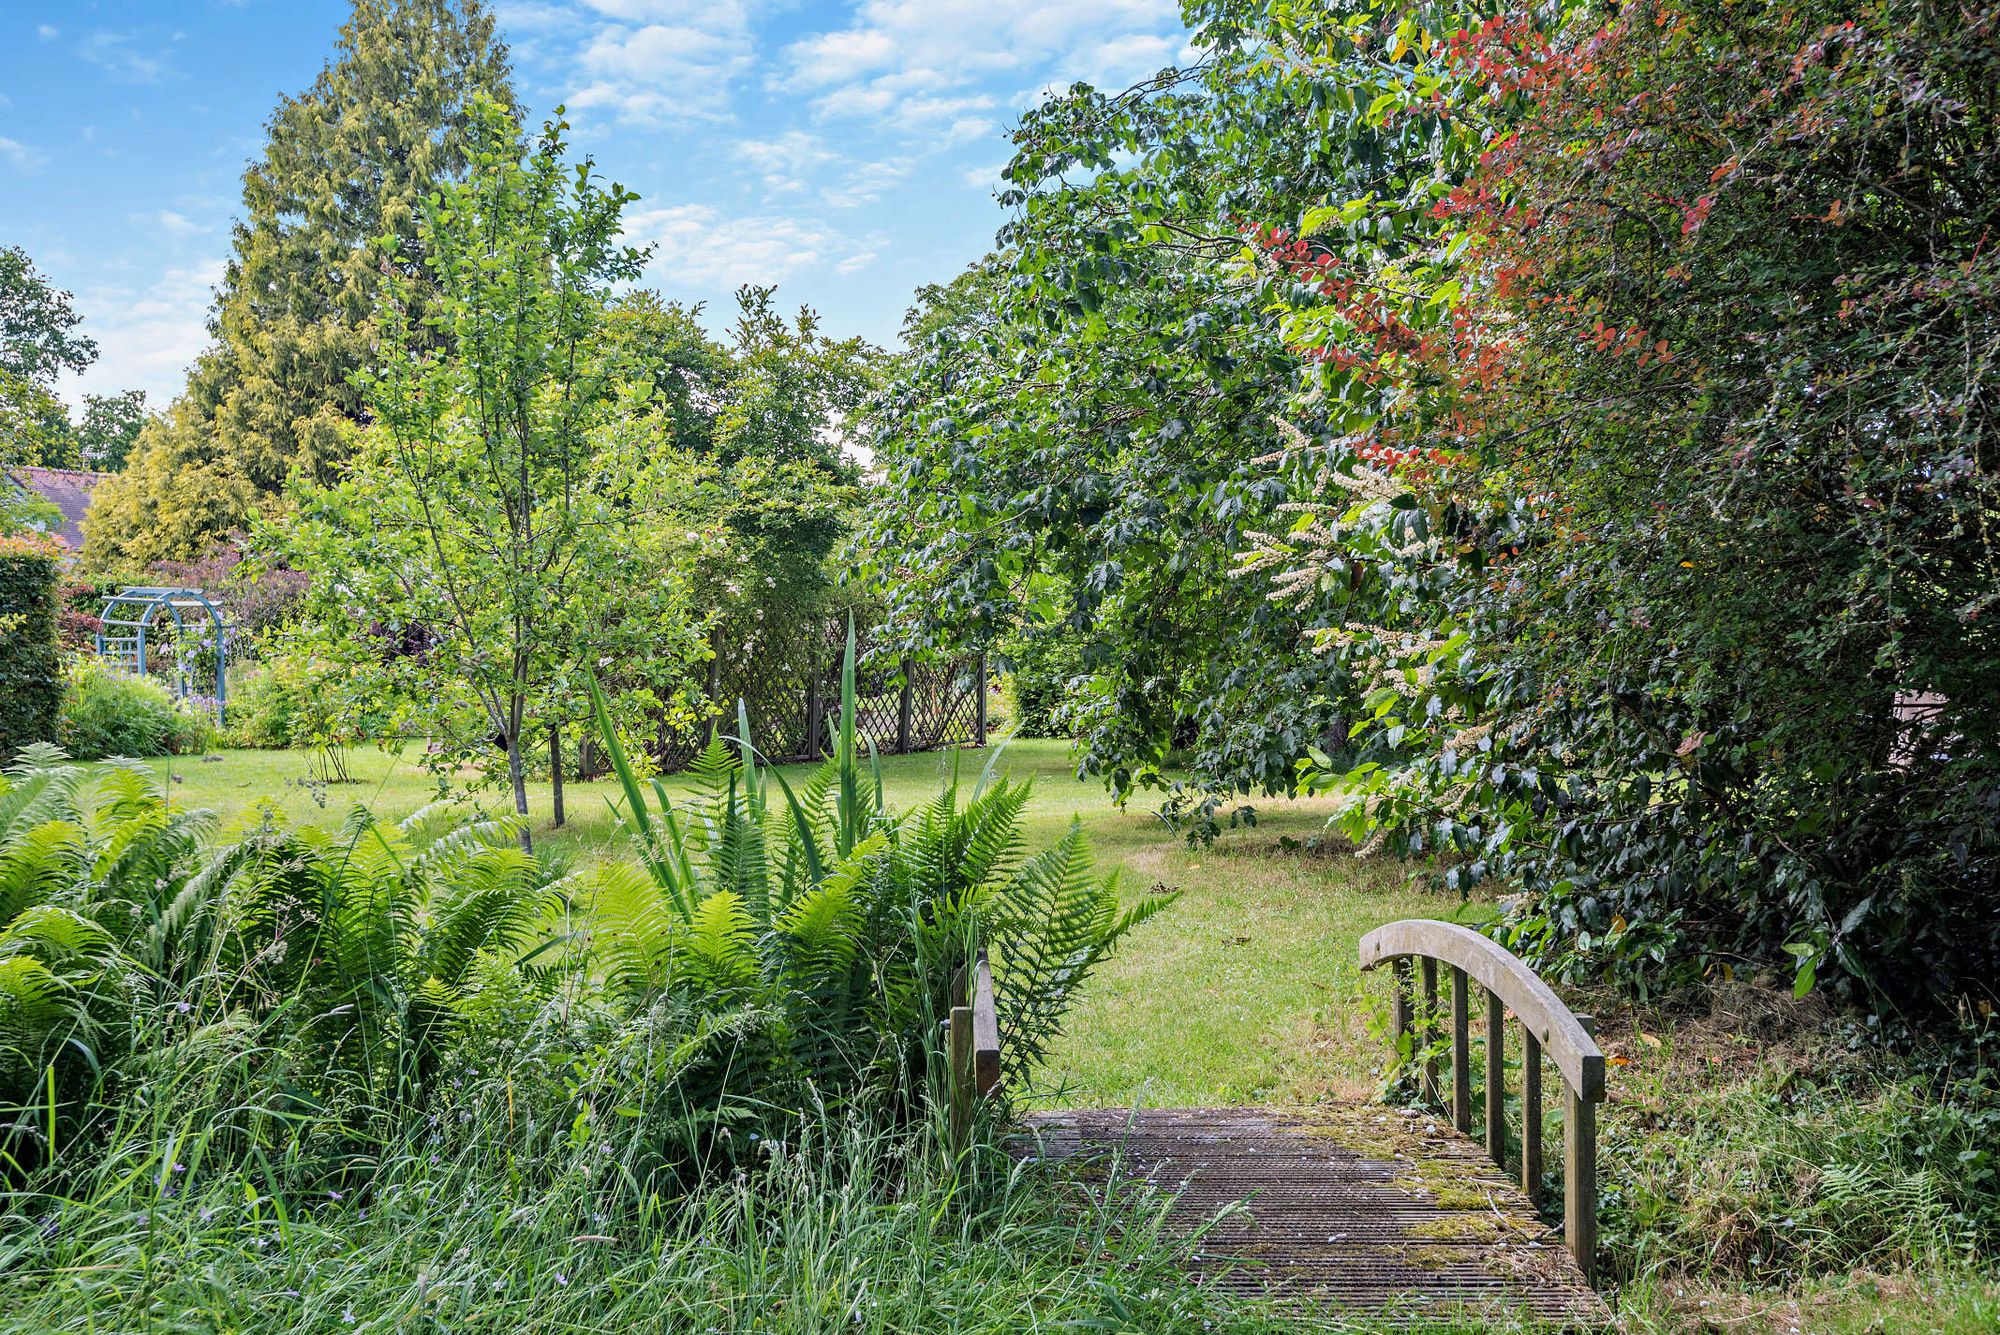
31	682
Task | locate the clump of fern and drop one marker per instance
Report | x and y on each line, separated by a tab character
298	986
807	941
363	947
83	860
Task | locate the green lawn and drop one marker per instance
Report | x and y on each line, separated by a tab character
1242	991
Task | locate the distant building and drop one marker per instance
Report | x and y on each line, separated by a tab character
68	489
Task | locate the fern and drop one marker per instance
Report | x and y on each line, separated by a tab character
721	955
843	924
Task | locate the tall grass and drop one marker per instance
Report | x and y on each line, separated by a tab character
481	1225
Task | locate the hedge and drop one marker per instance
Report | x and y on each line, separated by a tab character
31	680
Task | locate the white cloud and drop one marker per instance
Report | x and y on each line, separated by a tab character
176	224
867	183
663	11
985	178
792	162
530	14
785	162
678	65
901	59
146	337
1123	60
18	155
48	32
698	246
119	55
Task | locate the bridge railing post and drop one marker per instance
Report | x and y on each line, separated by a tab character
1399	1009
1496	1078
1461	1053
972	1046
1429	969
1580	1172
1531	1116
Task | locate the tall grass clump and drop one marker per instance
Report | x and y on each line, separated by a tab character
1810	1152
850	1230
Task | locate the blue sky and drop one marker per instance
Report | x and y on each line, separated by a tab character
846	152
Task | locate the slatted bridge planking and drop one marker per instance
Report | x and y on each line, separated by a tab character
1364	1210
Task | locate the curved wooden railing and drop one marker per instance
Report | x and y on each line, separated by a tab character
1549	1029
972	1045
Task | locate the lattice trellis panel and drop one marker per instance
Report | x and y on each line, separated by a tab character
793	702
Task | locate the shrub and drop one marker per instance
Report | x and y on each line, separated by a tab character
106	712
76	616
1042	670
271	708
1668	574
256	599
30	664
305	696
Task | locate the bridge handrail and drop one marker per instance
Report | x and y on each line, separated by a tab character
1548	1026
1564	1039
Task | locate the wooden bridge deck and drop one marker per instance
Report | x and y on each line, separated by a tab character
1366	1210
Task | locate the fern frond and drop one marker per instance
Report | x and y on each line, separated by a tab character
634	933
40	863
721	956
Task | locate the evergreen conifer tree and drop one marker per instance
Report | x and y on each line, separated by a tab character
348	161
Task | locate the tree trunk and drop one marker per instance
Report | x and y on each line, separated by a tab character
518	776
556	774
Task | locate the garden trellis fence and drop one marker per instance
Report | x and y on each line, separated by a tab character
792	698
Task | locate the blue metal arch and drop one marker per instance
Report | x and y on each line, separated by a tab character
135	610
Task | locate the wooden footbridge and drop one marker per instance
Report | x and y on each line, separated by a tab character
1366	1210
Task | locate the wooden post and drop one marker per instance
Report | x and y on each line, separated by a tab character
714	686
1580	1173
985	1031
961	1075
979	703
1496	1079
903	708
1399	1004
1531	1115
815	714
1461	1053
1428	1031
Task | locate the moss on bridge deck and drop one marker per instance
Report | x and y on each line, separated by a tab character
1365	1209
